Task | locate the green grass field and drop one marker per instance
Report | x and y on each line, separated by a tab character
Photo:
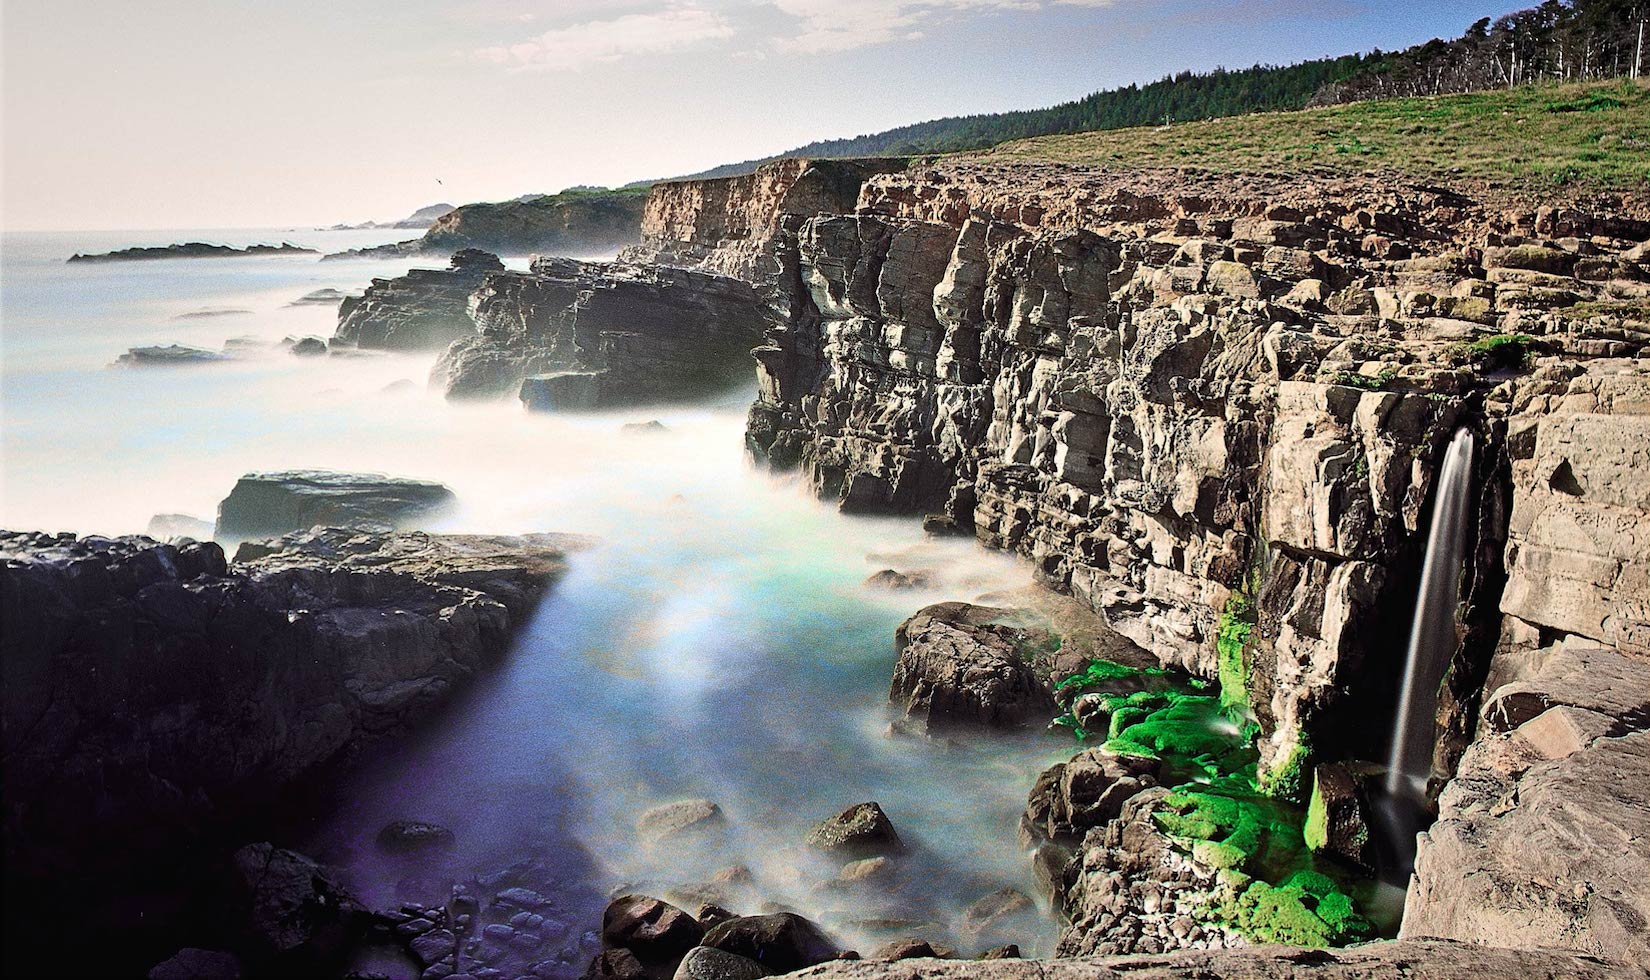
1587	137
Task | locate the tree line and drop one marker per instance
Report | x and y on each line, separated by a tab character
1560	40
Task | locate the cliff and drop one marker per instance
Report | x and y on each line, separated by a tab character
1212	408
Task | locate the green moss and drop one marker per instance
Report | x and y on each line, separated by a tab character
1237	626
1502	351
1308	909
1286	779
1365	382
1316	829
1100	672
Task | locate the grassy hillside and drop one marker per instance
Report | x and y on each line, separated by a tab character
1594	136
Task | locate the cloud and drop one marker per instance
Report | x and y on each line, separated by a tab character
581	45
841	25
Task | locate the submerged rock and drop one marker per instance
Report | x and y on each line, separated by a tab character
860	831
308	347
263	504
671	822
414	837
321	297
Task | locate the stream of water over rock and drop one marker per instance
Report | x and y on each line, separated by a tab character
719	641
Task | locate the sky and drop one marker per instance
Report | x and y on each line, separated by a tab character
161	114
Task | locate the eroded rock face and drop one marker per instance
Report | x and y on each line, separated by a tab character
959	666
263	504
629	333
1543	836
426	309
158	689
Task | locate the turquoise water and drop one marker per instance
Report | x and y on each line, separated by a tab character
719	641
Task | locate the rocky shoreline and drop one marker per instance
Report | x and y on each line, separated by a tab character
191	250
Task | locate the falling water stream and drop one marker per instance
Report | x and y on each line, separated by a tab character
1432	639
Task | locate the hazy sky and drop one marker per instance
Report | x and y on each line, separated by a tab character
247	113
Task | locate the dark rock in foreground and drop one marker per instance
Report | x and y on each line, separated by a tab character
192	250
296	911
156	689
655	931
263	504
426	309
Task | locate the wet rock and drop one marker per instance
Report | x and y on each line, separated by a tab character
863	830
295	909
1004	909
616	964
264	504
650	428
711	914
198	964
654	930
1007	951
563	391
1087	791
709	963
890	578
414	837
903	949
321	297
781	943
1337	816
959	666
308	347
681	819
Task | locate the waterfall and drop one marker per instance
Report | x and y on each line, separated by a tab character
1432	637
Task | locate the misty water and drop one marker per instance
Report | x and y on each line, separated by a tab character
718	641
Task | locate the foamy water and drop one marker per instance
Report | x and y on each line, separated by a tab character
718	643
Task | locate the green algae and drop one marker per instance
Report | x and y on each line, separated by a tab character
1221	811
1286	778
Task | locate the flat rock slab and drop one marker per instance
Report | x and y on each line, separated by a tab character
264	504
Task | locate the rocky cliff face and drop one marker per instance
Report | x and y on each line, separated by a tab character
731	224
593	334
426	309
1214	407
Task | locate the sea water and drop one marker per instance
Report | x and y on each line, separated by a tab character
718	641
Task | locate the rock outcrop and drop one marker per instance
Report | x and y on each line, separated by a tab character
191	250
426	309
162	691
570	223
262	504
597	334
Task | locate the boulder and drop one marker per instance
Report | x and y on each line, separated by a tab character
271	503
308	347
426	309
782	943
959	666
709	963
861	831
903	949
890	578
654	930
